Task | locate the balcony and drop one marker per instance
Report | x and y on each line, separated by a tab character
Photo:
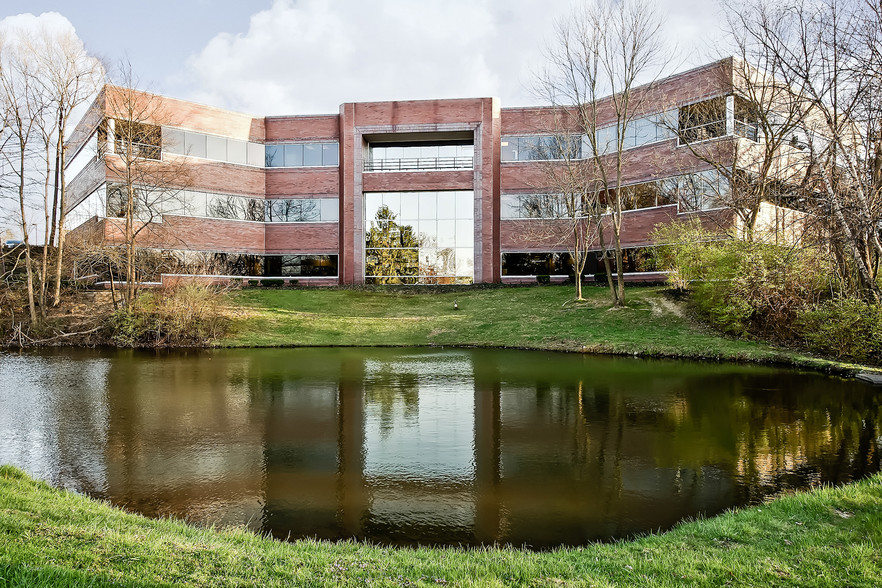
419	164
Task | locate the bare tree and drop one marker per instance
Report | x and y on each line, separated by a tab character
143	183
602	52
820	51
67	77
22	110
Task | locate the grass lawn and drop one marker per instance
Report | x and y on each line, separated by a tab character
528	317
828	537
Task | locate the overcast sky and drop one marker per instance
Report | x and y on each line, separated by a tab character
309	56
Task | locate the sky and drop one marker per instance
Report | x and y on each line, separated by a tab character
268	57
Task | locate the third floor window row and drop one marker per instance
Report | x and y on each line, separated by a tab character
708	119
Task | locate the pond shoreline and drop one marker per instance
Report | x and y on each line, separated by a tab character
823	537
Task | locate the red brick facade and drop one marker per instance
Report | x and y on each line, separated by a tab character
356	126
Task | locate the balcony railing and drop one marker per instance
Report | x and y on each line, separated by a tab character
746	130
419	164
703	132
139	150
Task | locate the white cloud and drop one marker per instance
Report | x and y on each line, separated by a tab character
312	55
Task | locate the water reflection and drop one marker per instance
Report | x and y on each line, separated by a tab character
455	447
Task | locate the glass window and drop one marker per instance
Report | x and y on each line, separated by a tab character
173	140
509	151
446	205
216	148
606	140
465	205
510	206
392	201
237	151
293	155
410	206
275	155
256	154
330	209
195	144
428	206
329	154
312	154
446	233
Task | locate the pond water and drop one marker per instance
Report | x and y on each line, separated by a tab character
430	446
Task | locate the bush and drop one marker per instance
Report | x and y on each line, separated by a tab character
543	279
600	278
187	315
253	283
845	328
744	287
272	283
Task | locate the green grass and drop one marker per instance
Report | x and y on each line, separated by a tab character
49	537
527	317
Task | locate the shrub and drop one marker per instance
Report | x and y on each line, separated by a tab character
272	283
187	315
543	279
845	328
253	283
600	278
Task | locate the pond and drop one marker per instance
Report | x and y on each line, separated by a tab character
430	446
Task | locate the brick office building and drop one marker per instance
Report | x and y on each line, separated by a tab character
428	191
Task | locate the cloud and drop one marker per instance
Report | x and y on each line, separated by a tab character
312	55
13	28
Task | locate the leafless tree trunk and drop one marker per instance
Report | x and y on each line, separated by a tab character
600	54
68	77
145	182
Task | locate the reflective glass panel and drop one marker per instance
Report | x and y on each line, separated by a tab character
195	144
293	155
256	154
312	154
330	209
275	155
237	152
173	140
216	148
329	154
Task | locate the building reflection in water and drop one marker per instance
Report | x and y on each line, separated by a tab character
455	447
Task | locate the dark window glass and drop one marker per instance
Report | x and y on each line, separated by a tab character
537	264
306	266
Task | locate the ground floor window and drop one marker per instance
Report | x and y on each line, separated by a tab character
419	237
556	263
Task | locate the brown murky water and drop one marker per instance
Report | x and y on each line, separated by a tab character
428	446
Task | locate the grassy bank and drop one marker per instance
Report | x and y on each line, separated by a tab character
529	317
829	537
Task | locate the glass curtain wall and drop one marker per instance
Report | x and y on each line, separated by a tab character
419	237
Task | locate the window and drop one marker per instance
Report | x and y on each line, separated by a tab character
420	156
302	210
541	147
702	121
419	237
537	264
302	154
548	206
140	139
213	147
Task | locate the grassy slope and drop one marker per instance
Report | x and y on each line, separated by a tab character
830	537
530	317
